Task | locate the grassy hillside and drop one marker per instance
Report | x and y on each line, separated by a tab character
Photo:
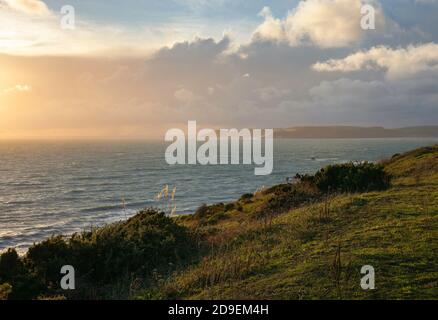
307	239
316	250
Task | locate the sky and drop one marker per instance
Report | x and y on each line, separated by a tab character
135	69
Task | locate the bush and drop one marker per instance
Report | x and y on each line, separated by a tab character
349	177
45	260
10	265
202	211
21	283
287	196
5	291
205	211
246	198
146	242
211	214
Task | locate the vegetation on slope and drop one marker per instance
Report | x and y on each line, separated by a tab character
316	250
105	259
307	239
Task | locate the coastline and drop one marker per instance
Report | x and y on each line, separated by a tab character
69	201
293	215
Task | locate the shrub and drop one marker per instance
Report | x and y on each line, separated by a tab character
202	211
145	242
349	177
5	291
45	260
10	265
205	211
23	284
287	196
211	214
246	198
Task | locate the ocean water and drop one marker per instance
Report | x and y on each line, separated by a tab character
51	188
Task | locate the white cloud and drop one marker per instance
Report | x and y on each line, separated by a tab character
16	88
398	63
36	7
271	28
326	23
26	28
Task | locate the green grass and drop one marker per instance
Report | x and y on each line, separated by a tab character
292	256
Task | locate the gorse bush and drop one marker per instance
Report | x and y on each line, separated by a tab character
246	198
212	214
16	280
349	177
5	291
144	242
287	196
135	247
45	260
10	264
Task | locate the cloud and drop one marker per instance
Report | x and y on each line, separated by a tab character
268	94
185	96
27	30
192	51
199	80
32	7
396	103
16	88
325	23
398	63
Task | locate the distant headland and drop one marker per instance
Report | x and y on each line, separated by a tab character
352	132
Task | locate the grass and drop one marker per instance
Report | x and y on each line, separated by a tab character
316	251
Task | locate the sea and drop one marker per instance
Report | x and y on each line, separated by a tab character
53	187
